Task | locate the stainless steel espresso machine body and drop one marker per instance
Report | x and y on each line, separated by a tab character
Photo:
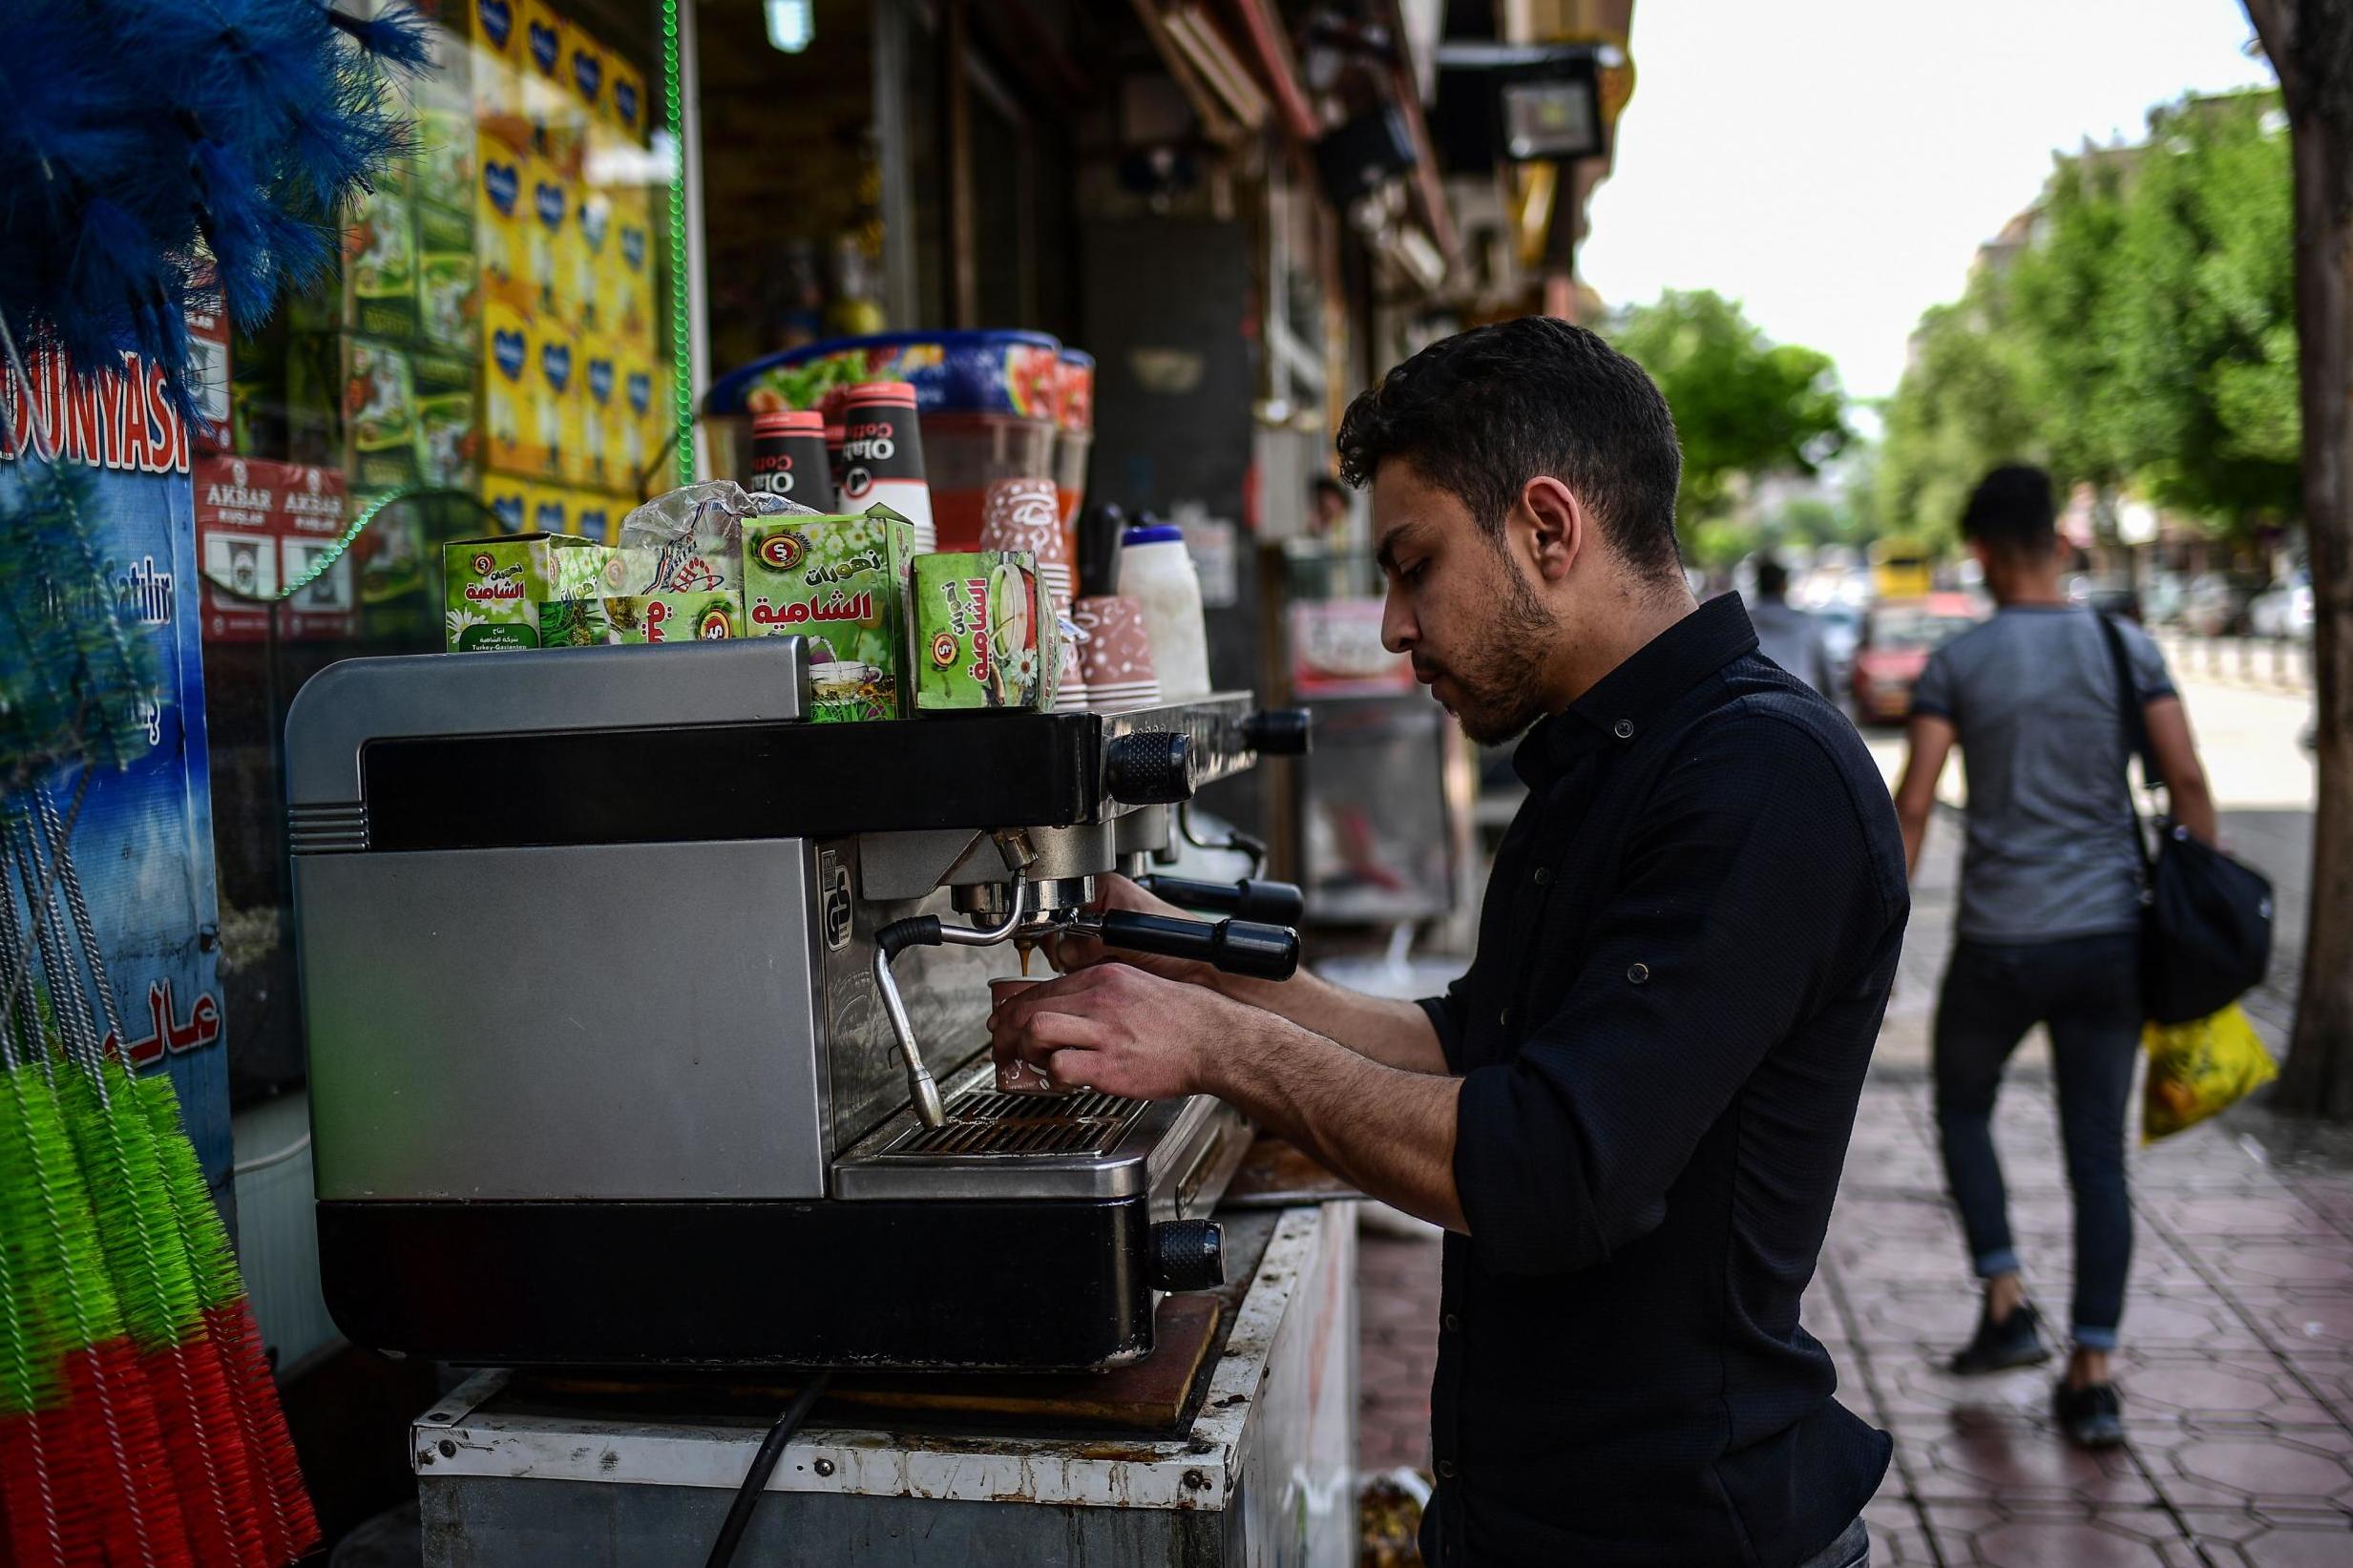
645	1017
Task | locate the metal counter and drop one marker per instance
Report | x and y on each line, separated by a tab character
1263	1475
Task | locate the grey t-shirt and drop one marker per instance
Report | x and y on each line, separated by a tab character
2033	694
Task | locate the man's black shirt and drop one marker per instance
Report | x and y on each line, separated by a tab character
1683	960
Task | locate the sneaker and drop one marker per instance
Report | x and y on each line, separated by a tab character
2016	1341
2092	1416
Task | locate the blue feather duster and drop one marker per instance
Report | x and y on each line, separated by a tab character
138	135
154	154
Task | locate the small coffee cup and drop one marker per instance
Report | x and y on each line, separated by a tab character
1014	1075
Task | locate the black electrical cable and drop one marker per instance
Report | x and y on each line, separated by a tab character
762	1466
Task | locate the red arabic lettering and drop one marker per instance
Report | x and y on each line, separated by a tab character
202	1028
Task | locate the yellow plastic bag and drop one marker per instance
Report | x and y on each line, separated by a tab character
2197	1069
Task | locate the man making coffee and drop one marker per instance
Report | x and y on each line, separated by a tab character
1629	1114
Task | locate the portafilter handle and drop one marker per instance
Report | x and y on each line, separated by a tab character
1253	898
1232	947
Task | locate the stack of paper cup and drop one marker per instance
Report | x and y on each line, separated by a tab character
1023	515
1115	653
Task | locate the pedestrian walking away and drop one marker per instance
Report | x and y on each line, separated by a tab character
1630	1113
1785	634
2048	919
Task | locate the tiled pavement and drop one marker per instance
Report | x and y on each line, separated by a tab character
2237	1371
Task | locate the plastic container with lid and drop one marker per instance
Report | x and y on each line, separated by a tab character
1157	572
990	404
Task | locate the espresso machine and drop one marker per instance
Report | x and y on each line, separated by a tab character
646	1019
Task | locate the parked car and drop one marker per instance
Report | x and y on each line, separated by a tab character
2284	611
1898	637
2109	595
2162	598
2216	604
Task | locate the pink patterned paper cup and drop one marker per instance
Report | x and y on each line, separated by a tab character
1115	653
1014	1076
1022	514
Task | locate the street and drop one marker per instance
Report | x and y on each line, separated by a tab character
2238	1364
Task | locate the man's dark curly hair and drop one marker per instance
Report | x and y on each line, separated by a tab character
1483	413
2013	513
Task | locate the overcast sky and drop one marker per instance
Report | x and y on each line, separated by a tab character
1836	176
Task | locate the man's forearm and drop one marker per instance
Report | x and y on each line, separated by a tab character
1915	828
1392	1032
1389	1131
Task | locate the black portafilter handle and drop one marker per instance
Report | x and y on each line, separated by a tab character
1253	898
1232	947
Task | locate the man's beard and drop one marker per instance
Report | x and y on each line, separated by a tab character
1500	695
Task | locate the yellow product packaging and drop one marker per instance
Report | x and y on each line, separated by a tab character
642	415
507	377
558	395
541	29
508	499
597	515
603	443
550	400
585	70
2198	1069
550	509
545	222
499	184
589	254
498	59
625	296
624	100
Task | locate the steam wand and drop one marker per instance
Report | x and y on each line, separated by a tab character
930	930
1235	839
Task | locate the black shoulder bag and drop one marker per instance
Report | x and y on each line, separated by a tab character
2205	928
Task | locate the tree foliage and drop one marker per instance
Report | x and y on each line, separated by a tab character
2143	339
1744	408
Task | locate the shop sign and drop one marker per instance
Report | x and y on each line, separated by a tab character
143	841
1336	650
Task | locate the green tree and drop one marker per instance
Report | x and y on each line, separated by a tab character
2060	302
2142	338
1744	406
2202	315
1962	408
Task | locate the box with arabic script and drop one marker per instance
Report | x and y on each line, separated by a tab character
985	635
534	590
841	582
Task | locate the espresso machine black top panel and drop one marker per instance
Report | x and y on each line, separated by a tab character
729	781
704	742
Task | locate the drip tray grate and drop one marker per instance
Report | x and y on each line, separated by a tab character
983	1122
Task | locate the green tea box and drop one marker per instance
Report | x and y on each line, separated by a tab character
841	582
523	591
985	632
689	589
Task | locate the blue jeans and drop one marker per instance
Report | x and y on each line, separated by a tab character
2087	990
